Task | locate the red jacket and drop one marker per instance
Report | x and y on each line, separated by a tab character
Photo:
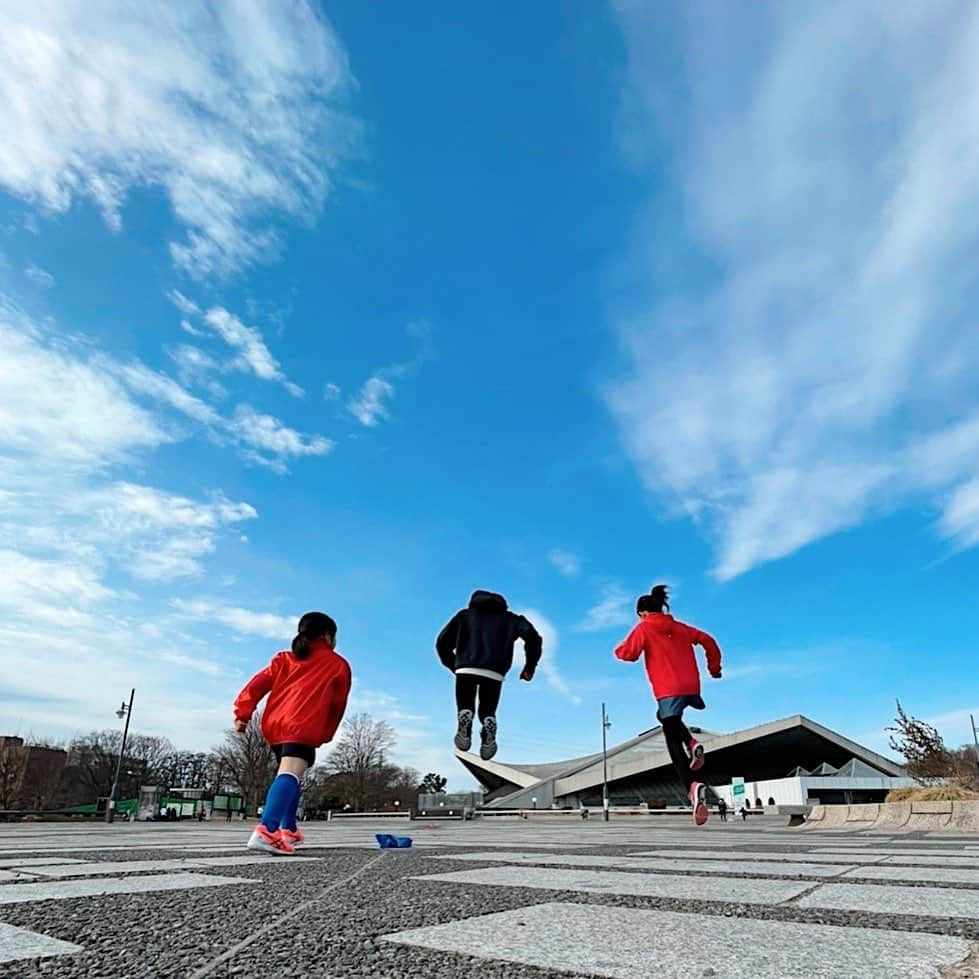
307	698
670	661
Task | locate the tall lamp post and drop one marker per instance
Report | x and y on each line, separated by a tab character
975	738
606	724
127	712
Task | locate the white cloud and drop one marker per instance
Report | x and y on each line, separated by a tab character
253	355
39	277
566	563
613	611
548	667
230	109
268	435
59	408
186	306
268	625
787	392
142	380
194	365
369	407
332	392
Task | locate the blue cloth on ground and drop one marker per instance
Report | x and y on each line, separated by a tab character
280	797
389	842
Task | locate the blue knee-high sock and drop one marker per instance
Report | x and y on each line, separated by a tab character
289	819
278	800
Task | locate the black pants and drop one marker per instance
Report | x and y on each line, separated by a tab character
677	736
292	750
467	687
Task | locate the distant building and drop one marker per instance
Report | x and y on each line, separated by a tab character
30	775
794	761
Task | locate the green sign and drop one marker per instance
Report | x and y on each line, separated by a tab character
737	786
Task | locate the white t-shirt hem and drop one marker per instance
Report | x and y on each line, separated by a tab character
476	671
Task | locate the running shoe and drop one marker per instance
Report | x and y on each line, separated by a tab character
464	731
488	745
695	752
294	837
698	799
275	843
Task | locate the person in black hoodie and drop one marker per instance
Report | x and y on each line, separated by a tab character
477	646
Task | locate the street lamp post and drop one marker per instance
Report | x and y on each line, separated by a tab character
127	712
606	724
975	738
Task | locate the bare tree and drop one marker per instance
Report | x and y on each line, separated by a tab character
247	760
358	759
928	757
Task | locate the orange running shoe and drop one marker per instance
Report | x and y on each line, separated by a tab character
274	843
293	836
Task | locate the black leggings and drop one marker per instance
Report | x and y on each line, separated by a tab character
489	691
677	736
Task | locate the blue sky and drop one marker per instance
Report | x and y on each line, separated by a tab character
306	308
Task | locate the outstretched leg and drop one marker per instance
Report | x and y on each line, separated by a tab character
678	739
466	687
489	702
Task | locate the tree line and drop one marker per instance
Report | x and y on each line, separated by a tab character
355	774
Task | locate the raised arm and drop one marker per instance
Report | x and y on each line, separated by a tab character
447	641
533	646
253	691
339	693
710	646
631	648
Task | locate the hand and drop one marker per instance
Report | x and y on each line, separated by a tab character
527	676
240	726
716	675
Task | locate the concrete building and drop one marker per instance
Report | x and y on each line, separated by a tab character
794	761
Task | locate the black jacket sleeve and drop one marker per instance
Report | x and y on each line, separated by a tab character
533	644
445	645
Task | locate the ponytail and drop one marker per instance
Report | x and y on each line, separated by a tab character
656	601
313	626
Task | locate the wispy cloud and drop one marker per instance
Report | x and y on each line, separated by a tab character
549	668
613	611
787	393
332	392
234	113
39	277
566	563
268	625
369	407
253	354
275	442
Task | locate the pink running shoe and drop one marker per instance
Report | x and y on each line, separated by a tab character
698	799
294	837
695	752
274	843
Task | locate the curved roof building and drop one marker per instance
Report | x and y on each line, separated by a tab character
793	761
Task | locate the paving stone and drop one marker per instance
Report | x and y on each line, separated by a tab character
64	890
19	943
769	855
735	890
940	875
146	866
885	899
624	943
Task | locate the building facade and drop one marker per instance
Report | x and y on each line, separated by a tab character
793	761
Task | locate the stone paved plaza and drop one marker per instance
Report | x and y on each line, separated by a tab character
521	898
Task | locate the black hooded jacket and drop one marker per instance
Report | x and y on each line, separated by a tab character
483	635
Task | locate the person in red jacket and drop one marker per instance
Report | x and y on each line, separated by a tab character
672	670
308	687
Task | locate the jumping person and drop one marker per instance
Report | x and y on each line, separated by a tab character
672	670
477	646
308	688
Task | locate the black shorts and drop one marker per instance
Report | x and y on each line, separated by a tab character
292	750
